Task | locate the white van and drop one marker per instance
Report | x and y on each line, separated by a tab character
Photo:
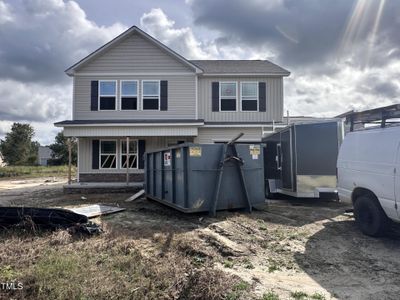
368	176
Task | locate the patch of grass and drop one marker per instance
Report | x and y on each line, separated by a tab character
238	290
270	295
228	264
198	260
299	295
247	264
213	285
241	286
318	296
262	225
273	265
34	171
8	273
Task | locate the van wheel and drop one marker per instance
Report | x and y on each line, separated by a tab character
370	217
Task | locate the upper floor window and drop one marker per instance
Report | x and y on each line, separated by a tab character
107	94
151	95
227	96
108	154
129	94
249	96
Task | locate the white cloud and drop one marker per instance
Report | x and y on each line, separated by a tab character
5	13
182	40
39	40
33	101
350	88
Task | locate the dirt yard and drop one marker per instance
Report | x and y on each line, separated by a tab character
287	250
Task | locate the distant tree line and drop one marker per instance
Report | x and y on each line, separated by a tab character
18	149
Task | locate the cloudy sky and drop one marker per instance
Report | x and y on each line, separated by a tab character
343	54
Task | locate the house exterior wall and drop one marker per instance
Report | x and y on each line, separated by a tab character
181	98
134	54
209	135
274	100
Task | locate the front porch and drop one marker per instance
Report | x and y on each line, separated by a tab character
112	150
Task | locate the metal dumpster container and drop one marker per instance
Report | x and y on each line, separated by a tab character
206	177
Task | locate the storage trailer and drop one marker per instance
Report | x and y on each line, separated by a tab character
300	160
206	177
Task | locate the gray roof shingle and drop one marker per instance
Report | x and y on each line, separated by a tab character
240	67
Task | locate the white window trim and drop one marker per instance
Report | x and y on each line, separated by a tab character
116	153
241	97
120	154
99	95
225	97
137	94
159	95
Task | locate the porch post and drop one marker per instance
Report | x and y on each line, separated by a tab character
69	159
127	160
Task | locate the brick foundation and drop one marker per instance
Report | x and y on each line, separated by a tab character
110	177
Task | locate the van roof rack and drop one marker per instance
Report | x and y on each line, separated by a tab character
372	116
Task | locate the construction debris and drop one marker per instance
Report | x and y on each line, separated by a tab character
43	217
136	196
95	210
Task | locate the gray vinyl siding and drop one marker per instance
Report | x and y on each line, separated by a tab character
152	143
134	54
209	135
181	98
274	101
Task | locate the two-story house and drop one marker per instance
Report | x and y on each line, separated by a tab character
134	94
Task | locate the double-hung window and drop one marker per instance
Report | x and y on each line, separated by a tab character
129	93
227	96
107	94
132	154
249	96
151	95
108	154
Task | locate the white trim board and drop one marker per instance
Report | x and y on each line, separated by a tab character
131	124
135	74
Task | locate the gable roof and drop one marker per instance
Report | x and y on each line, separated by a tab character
235	67
208	67
133	29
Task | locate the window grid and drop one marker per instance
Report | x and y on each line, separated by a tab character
252	98
150	96
132	155
107	160
222	98
122	96
106	95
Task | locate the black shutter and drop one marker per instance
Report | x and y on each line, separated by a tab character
142	150
262	105
95	154
94	95
164	95
215	96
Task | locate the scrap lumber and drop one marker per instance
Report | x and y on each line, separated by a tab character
136	196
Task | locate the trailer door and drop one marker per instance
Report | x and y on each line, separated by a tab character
286	161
